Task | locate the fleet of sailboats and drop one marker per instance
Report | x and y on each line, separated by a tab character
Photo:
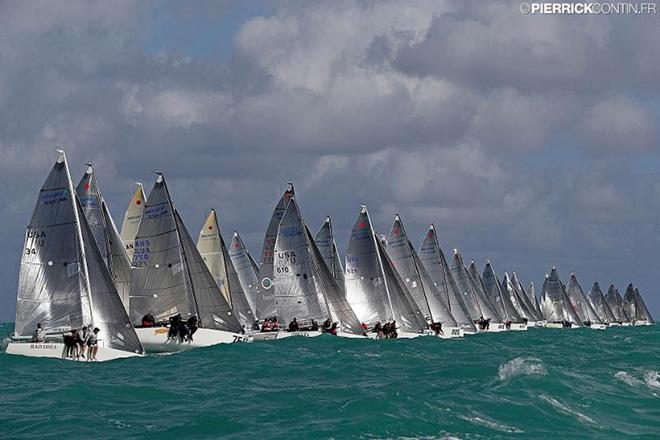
151	288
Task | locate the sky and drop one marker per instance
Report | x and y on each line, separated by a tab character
530	140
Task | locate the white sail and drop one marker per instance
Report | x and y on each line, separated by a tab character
416	278
435	263
499	296
615	302
530	306
634	306
517	298
246	269
581	304
598	302
169	274
265	307
373	288
531	292
325	241
476	304
132	218
644	311
555	304
105	232
64	283
212	248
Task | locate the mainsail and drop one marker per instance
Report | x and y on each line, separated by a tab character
598	302
415	277
479	289
246	268
373	288
517	298
499	296
169	274
615	302
63	282
132	217
435	263
265	304
212	248
581	304
555	304
634	305
531	292
476	305
105	232
530	306
325	241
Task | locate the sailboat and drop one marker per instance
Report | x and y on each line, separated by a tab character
534	318
634	306
555	304
435	263
325	241
582	305
64	283
419	283
132	218
615	302
170	278
598	302
475	299
303	286
501	298
265	303
246	269
531	292
105	233
374	289
517	299
213	250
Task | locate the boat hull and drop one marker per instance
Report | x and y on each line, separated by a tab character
154	339
518	327
451	333
554	325
496	327
536	324
271	336
56	350
598	326
626	324
640	323
614	324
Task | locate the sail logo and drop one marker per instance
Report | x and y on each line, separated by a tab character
291	230
52	197
155	211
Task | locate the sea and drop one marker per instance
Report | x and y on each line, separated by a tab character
542	383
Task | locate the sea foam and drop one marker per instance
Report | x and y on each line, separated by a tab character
522	366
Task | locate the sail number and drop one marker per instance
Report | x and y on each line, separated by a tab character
352	265
34	240
287	257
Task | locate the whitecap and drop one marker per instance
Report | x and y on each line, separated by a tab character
627	378
651	379
483	421
567	410
522	366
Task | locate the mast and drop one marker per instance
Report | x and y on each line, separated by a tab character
83	255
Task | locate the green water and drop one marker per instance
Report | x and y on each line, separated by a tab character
538	384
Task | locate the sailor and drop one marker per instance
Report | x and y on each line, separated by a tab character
148	320
386	330
393	333
437	328
363	326
333	330
93	344
174	325
79	342
315	325
69	344
192	326
507	324
293	325
266	326
276	325
39	334
378	329
327	324
255	325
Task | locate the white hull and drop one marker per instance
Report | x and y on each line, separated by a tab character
536	324
638	323
271	336
494	328
519	327
598	326
626	324
154	339
451	333
56	350
351	335
400	335
554	325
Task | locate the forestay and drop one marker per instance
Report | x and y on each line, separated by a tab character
265	304
435	263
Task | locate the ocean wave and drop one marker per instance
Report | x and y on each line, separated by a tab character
488	423
627	378
651	379
522	366
562	407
